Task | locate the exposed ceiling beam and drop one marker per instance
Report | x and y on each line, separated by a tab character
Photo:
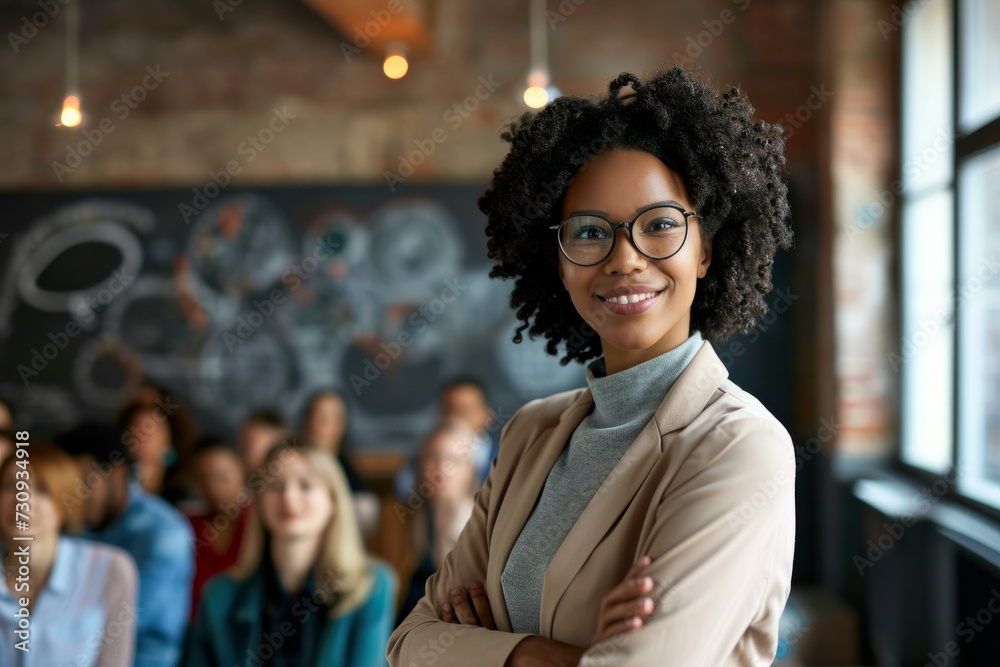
381	21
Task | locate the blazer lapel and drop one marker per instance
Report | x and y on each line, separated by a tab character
683	402
526	485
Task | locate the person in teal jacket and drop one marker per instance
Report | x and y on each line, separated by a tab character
303	591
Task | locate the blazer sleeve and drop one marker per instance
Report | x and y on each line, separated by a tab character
423	639
722	544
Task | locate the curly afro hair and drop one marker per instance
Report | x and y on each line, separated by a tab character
730	165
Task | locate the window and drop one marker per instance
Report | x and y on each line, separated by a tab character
949	357
926	359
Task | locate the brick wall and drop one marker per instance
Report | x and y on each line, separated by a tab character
351	123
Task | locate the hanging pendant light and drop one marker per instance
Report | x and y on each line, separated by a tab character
539	90
71	115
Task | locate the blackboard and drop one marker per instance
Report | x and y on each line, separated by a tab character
235	299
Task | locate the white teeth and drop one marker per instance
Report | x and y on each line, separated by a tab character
631	298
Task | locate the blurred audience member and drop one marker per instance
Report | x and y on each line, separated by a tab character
149	434
183	428
6	415
463	399
7	443
219	528
260	431
80	595
447	481
302	575
118	511
324	424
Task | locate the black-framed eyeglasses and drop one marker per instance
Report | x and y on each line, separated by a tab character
587	237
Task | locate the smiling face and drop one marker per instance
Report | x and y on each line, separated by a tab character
296	503
620	184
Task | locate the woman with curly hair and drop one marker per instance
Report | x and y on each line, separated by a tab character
649	517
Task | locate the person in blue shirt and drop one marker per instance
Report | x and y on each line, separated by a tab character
117	511
303	591
76	596
462	399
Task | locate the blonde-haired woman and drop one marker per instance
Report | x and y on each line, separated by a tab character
303	590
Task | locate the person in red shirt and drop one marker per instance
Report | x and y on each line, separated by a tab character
219	529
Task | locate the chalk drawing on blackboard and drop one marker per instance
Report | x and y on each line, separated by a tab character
240	244
105	371
415	248
49	239
528	367
262	371
149	320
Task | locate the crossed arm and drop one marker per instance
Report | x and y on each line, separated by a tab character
721	549
623	609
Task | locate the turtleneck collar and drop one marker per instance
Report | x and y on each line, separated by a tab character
636	391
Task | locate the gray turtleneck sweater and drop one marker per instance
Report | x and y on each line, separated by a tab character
624	402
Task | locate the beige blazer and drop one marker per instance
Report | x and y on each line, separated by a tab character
706	489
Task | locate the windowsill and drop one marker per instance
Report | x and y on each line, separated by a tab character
897	497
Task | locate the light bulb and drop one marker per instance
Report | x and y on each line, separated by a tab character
536	97
71	116
395	67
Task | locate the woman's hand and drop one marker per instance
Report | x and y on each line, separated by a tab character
530	652
460	611
624	608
